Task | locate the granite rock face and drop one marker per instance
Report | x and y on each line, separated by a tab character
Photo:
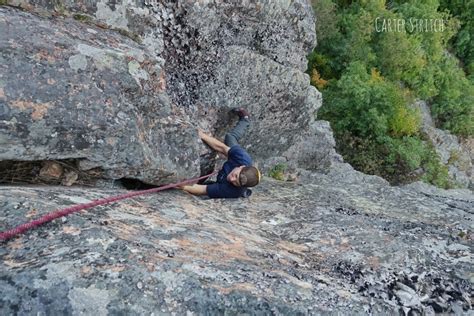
123	86
341	243
456	154
69	90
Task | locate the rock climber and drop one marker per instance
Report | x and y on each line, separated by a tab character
237	173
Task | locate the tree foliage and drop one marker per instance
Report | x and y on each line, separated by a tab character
369	79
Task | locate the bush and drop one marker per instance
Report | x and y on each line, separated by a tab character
405	121
375	129
278	171
367	106
453	107
463	41
435	172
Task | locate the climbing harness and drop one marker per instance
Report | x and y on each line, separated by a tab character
69	210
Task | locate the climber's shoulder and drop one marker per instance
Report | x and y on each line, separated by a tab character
239	156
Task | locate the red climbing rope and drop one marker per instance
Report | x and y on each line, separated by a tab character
66	211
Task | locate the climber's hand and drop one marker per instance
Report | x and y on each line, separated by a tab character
196	189
201	133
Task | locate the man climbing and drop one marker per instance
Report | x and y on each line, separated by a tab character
237	173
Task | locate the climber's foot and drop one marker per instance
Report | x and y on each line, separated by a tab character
241	112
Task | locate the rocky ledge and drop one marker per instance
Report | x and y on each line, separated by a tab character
341	242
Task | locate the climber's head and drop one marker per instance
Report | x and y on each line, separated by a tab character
244	176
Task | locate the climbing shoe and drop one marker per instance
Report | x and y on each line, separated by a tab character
241	112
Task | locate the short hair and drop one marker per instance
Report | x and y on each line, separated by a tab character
249	177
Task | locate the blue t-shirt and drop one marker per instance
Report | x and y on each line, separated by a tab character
236	157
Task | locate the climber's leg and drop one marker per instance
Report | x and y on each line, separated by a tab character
232	137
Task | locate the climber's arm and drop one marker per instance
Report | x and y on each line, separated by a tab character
196	189
214	143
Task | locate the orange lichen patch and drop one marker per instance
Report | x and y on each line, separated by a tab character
373	261
44	55
124	230
16	244
143	210
249	238
191	210
111	140
329	242
71	230
31	213
235	287
162	81
150	267
39	109
344	245
136	209
22	105
292	279
217	252
292	247
113	268
51	81
18	264
284	261
294	252
86	270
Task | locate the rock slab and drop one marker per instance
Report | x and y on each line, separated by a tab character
328	243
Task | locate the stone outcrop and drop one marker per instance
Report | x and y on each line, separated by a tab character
122	87
457	155
341	243
70	90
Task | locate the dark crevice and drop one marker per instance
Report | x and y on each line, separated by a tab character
48	172
134	184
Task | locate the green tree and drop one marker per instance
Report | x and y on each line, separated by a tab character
369	78
463	42
453	107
